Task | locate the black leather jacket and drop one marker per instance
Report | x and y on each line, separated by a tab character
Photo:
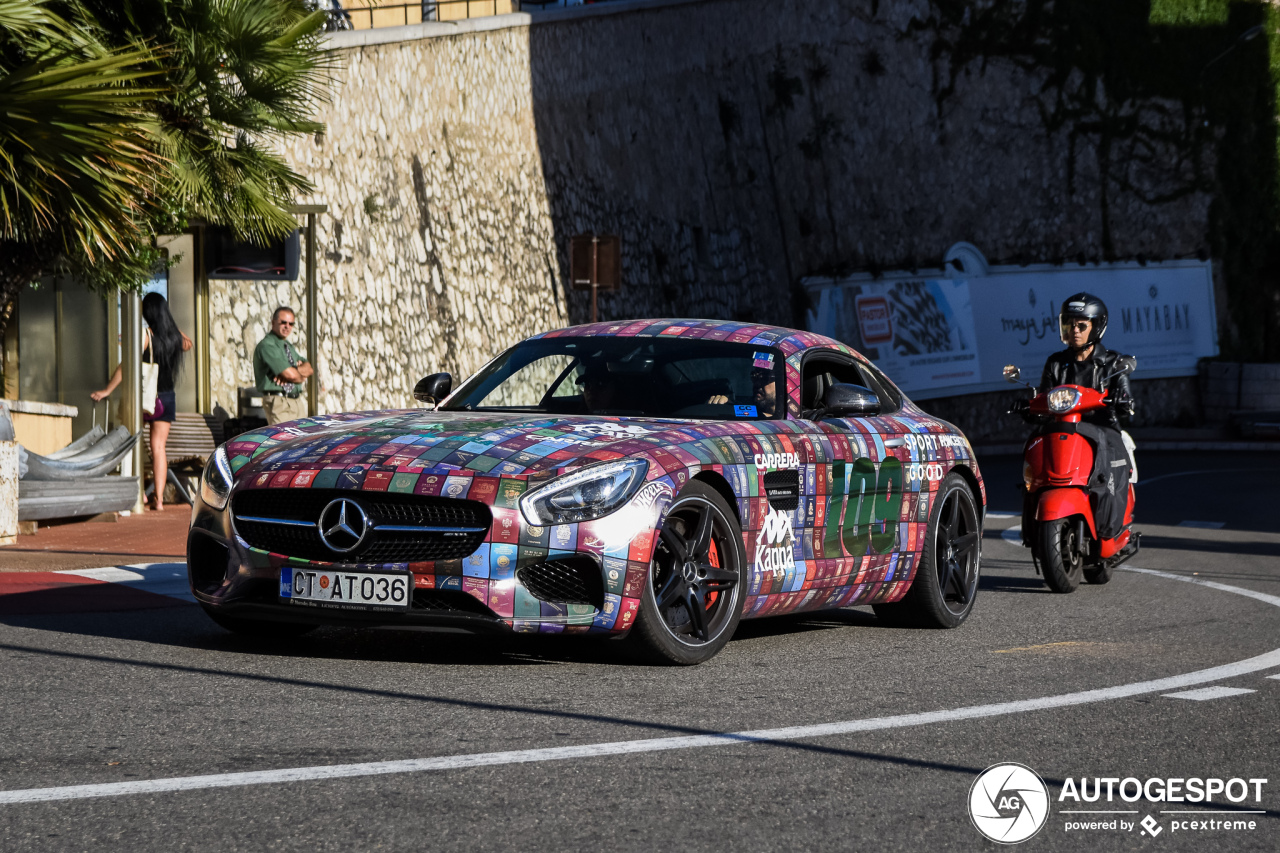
1061	368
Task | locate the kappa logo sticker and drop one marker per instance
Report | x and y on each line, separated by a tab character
774	543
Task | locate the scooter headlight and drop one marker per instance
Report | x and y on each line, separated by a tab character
1063	399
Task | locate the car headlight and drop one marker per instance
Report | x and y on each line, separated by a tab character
585	494
215	482
1063	399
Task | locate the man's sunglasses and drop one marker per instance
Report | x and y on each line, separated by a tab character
1082	326
285	322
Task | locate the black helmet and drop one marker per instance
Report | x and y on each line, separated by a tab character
1088	307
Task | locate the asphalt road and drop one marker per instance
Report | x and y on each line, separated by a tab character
143	695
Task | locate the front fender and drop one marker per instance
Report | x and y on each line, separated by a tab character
1053	504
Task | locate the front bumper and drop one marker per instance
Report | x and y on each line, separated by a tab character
501	587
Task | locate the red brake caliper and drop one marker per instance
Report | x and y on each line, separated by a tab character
714	557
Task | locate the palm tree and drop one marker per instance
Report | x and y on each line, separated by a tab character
227	80
75	143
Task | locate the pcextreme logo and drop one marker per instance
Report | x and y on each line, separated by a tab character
1009	803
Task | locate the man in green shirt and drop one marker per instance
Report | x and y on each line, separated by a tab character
279	370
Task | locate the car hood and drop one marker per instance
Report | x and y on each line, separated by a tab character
379	445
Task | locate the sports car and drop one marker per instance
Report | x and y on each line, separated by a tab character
657	480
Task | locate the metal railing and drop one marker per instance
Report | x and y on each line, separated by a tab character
402	14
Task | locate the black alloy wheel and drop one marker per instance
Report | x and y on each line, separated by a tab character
946	581
693	601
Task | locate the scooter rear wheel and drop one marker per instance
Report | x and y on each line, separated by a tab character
1098	574
1061	555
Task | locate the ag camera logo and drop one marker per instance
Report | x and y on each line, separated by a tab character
1009	803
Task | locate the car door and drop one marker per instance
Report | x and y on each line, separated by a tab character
862	523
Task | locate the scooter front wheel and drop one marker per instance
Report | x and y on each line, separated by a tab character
1061	555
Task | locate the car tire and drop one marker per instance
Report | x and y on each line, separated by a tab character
258	628
1060	556
946	581
686	574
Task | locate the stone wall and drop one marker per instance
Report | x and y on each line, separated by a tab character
735	145
438	249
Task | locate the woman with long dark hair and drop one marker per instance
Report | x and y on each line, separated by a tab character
164	343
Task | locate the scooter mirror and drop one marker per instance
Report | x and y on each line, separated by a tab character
1125	365
1011	373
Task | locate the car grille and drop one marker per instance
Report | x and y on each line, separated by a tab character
575	580
284	521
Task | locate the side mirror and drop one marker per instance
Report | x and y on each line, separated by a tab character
1012	373
1125	365
847	401
433	388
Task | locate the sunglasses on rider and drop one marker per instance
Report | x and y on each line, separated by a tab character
1081	326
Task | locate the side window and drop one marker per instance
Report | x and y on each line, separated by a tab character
821	373
890	397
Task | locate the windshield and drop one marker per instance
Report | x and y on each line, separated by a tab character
637	377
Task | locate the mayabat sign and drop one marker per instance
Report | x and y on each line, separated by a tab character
939	335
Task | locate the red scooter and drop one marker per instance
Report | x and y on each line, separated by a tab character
1072	516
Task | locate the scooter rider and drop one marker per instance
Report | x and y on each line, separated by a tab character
1086	362
1082	321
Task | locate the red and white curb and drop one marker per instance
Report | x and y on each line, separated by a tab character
102	590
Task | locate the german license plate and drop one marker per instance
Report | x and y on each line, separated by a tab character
352	590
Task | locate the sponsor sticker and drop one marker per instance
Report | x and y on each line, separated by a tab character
774	543
767	461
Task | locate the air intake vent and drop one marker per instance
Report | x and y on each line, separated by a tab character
574	580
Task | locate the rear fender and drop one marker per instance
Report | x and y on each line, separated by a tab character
1064	503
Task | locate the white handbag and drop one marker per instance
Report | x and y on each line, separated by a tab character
150	380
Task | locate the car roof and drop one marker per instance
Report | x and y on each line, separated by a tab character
789	341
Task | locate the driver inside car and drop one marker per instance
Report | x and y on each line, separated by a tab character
597	389
764	392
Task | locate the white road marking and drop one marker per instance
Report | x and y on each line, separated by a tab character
1205	693
1276	676
991	513
1269	660
1207	525
110	574
1012	534
169	579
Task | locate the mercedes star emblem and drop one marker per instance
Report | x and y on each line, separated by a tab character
343	525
